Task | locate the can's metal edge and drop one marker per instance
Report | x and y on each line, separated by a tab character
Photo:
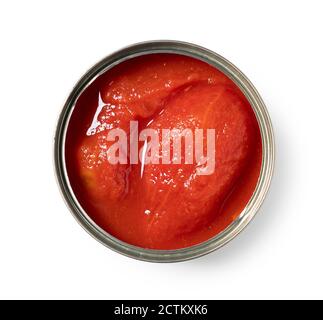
267	161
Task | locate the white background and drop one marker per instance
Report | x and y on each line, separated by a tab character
46	46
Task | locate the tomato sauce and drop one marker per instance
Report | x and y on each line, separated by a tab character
163	206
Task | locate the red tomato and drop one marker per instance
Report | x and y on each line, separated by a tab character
163	206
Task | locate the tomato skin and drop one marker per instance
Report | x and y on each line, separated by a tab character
167	206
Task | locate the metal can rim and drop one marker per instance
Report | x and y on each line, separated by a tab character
267	137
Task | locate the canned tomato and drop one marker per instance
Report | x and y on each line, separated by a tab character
164	151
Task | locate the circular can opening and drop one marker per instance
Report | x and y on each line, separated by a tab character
164	151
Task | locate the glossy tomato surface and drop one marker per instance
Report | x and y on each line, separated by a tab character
163	206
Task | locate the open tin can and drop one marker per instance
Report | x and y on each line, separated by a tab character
267	138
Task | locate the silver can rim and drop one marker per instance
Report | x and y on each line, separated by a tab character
268	151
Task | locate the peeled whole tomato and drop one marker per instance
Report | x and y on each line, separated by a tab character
163	206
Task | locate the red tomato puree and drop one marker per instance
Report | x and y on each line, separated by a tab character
164	206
